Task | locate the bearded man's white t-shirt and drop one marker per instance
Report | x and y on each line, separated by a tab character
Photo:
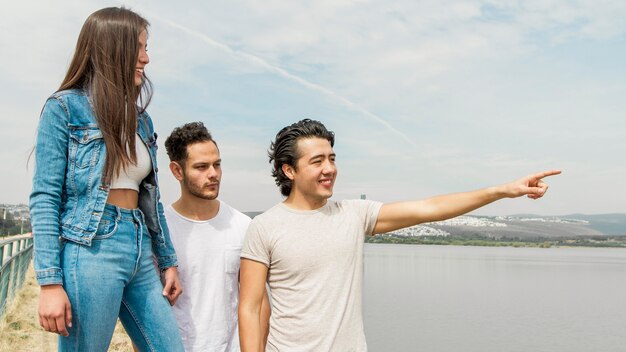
208	267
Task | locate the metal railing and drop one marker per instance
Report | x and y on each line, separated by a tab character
15	256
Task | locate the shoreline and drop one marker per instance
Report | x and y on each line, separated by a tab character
483	241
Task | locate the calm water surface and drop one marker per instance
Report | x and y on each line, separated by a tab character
465	299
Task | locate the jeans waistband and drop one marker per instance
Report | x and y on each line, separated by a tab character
122	213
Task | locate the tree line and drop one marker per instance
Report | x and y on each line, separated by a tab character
10	226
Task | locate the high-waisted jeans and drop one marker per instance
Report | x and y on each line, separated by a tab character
115	276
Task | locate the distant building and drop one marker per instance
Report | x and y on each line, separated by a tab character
17	211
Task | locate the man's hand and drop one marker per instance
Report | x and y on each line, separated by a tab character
172	288
55	310
531	186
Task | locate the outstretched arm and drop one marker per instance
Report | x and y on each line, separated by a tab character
251	295
395	216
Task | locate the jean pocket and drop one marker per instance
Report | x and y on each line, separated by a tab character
106	229
232	260
85	144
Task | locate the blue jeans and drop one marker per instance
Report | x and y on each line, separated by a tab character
116	276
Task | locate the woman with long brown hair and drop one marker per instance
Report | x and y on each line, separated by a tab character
95	208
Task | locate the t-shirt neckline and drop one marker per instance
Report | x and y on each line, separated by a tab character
284	206
219	212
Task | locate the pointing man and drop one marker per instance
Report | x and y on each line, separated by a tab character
310	249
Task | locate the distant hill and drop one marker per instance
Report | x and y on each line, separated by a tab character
524	227
607	224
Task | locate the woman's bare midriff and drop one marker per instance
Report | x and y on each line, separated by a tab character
123	198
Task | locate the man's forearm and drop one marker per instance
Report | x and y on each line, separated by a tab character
250	332
394	216
452	205
265	318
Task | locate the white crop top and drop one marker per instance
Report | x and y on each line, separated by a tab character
131	177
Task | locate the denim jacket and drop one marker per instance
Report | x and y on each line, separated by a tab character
68	194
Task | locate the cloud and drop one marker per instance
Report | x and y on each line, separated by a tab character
260	62
425	97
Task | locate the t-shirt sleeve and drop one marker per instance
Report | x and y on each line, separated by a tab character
368	211
255	244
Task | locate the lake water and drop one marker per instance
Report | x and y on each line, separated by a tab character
465	299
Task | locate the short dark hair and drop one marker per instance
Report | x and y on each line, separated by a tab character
284	149
183	136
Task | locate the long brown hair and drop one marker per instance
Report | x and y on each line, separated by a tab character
104	66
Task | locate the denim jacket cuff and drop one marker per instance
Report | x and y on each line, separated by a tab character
52	276
167	262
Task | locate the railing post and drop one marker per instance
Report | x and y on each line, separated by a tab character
12	275
4	290
24	262
18	276
18	259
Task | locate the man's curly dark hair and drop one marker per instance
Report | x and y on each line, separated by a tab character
187	134
284	149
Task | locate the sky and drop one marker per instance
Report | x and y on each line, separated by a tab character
425	97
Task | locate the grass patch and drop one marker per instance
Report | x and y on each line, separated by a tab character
20	330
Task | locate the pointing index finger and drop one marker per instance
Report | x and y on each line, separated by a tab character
541	175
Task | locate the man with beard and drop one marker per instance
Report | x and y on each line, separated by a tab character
207	235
